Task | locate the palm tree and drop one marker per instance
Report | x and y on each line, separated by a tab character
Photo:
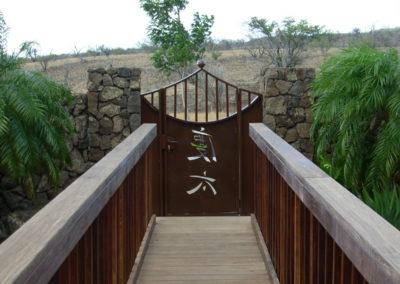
33	122
356	121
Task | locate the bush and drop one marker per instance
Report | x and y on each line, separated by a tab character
33	122
356	122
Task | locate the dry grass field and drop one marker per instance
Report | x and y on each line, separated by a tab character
234	66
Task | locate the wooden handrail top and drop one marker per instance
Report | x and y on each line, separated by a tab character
41	244
369	241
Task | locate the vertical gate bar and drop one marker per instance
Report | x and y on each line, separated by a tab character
196	97
152	99
216	99
206	86
239	118
174	100
249	97
186	107
227	99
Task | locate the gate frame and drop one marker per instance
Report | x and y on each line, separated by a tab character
163	141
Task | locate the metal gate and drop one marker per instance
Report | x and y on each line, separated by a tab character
204	163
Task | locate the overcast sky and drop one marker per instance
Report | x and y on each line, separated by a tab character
59	25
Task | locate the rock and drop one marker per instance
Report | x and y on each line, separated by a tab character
298	89
63	178
291	75
269	120
95	155
133	104
110	93
305	102
116	140
306	146
134	121
70	144
303	129
293	102
44	184
85	156
281	131
301	74
93	99
13	222
92	87
270	73
118	124
81	126
112	71
283	86
106	126
13	198
107	80
110	110
17	218
308	113
124	72
105	142
96	78
310	73
8	183
136	72
124	114
134	85
78	164
78	109
284	121
41	198
121	82
291	135
83	144
275	105
272	92
93	125
298	115
124	102
126	132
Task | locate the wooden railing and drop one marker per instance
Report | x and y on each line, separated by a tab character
91	232
316	231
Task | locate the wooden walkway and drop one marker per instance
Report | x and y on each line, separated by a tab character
204	250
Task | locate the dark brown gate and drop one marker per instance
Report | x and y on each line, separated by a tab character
205	158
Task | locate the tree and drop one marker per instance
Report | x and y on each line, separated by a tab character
285	43
356	123
33	121
177	47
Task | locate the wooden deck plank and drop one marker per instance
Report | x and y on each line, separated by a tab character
203	250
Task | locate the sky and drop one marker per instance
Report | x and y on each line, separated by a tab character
59	25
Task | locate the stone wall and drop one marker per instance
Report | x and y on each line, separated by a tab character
103	117
287	104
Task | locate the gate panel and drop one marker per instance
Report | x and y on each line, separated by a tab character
202	173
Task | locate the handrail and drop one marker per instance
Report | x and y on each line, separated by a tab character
370	242
35	251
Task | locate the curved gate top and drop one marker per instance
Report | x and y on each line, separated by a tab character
204	163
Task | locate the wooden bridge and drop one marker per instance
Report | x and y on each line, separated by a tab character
100	229
277	217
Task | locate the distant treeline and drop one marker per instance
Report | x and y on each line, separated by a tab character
377	38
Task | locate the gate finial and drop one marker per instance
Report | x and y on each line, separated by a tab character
201	63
